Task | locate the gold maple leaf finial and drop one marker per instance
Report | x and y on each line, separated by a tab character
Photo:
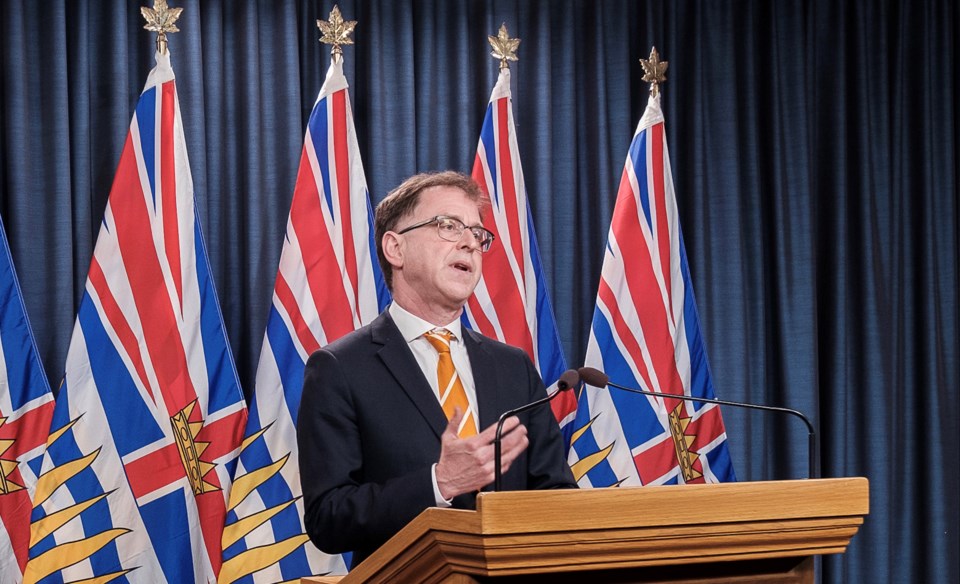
161	19
336	32
504	47
654	71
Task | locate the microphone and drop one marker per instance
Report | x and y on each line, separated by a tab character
598	378
569	379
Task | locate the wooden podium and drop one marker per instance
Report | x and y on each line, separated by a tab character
731	532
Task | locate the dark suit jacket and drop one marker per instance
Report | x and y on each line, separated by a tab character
369	431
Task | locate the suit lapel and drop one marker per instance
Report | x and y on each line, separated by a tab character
485	378
399	360
490	394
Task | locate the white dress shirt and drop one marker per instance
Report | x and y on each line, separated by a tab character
412	328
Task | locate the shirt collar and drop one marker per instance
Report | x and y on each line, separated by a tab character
413	327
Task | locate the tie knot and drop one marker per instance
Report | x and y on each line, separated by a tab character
440	339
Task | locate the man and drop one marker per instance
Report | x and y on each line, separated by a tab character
400	415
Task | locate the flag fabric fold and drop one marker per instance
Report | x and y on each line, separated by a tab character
26	408
329	283
646	334
511	303
149	418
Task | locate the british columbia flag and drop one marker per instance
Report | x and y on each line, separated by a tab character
646	334
328	284
26	407
511	302
148	421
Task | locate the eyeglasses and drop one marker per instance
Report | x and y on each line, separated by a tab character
451	229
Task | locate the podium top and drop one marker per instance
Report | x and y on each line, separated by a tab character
537	532
704	504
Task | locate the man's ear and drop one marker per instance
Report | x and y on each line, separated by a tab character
392	245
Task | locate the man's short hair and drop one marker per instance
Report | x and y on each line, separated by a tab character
401	201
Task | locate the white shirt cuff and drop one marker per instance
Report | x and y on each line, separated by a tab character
441	502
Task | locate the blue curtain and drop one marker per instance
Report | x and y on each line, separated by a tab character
814	150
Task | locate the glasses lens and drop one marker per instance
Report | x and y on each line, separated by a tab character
484	238
449	228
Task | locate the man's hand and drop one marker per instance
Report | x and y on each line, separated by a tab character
466	464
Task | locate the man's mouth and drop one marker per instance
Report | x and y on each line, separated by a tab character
462	266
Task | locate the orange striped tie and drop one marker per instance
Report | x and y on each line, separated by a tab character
452	393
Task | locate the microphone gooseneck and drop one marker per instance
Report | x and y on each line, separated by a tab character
597	378
568	380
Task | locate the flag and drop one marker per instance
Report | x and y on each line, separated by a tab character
26	407
646	334
329	283
150	415
511	303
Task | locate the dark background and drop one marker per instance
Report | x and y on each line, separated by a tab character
814	149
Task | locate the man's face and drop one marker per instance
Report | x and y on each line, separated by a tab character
439	274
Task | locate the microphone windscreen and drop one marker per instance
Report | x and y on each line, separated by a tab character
593	377
570	378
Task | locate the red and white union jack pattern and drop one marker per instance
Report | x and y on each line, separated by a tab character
511	302
149	419
328	284
646	334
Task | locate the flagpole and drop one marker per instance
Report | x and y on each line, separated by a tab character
504	49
